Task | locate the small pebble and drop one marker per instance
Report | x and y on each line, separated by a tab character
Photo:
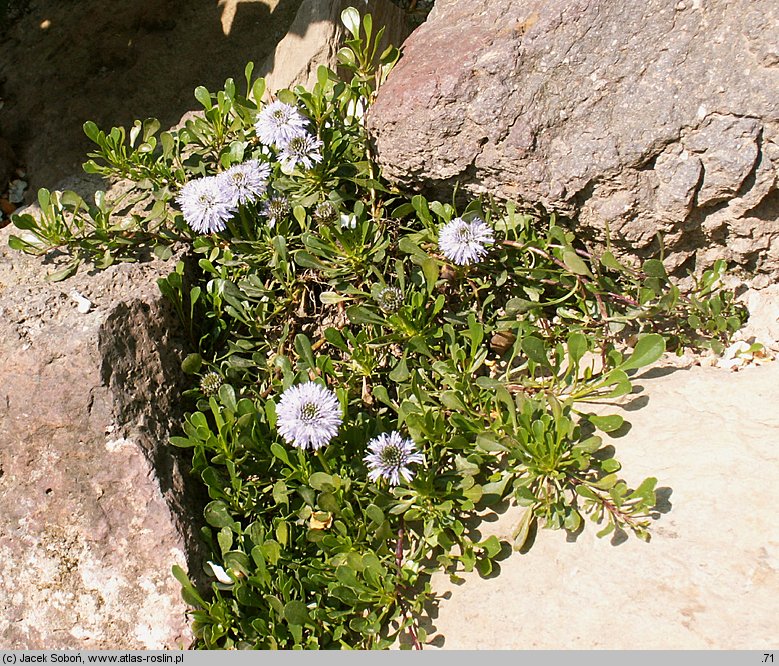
84	304
16	191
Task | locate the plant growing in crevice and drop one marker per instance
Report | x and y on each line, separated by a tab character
370	371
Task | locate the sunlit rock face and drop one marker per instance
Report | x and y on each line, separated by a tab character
641	118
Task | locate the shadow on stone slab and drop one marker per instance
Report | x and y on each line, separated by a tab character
618	537
663	500
636	404
656	373
426	622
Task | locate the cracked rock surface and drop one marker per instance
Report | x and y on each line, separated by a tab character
93	515
641	117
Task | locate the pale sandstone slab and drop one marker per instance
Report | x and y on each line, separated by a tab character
709	578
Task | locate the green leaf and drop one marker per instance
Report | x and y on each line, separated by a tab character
495	489
430	270
321	481
332	298
522	530
271	550
258	90
587	492
605	531
225	539
452	400
346	56
334	337
609	261
306	260
217	515
163	252
654	268
589	445
188	591
280	452
303	348
606	482
608	423
295	612
374	514
280	492
408	246
361	315
92	131
203	96
484	567
577	346
573	520
382	395
227	396
487	442
574	263
648	349
282	533
350	17
492	546
63	273
400	372
535	350
183	442
287	96
191	364
25	222
645	491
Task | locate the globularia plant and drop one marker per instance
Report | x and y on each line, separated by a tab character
370	371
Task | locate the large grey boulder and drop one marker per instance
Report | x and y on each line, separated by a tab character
642	117
93	509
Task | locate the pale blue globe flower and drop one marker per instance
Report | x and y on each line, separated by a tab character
390	299
464	242
276	209
245	183
278	123
205	205
389	458
302	150
308	415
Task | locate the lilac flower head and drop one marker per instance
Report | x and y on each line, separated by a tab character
276	209
244	183
325	212
302	149
389	458
390	299
308	415
464	242
204	205
278	123
210	383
